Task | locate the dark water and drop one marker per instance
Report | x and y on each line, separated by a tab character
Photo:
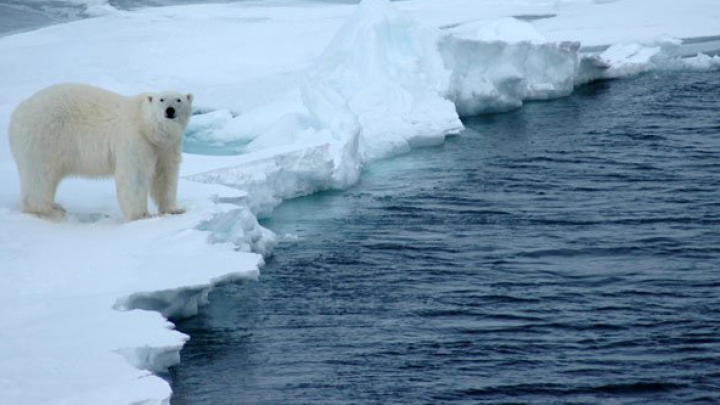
24	15
567	252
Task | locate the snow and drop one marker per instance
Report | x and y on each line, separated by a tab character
292	97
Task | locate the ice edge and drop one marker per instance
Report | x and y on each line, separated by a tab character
234	225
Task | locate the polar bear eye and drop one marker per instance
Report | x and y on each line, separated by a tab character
162	100
179	101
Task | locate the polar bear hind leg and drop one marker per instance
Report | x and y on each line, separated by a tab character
38	193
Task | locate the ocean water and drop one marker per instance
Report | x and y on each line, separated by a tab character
566	252
24	15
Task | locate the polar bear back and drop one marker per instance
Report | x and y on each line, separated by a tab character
76	124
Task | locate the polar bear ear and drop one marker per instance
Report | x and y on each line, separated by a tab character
150	98
189	97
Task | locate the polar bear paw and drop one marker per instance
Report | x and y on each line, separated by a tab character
54	213
174	211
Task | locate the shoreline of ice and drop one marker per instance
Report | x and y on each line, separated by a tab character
90	297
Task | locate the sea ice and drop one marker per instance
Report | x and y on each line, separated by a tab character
309	93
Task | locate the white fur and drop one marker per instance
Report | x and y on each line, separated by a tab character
81	130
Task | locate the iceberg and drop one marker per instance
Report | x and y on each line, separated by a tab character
292	99
499	76
386	84
630	59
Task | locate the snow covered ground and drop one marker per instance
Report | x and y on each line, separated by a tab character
298	96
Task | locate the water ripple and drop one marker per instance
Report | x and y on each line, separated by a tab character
567	252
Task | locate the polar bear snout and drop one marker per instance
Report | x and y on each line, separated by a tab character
170	113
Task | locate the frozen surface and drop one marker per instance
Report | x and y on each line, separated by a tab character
304	95
71	288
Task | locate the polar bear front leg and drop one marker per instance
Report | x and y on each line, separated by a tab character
165	182
132	181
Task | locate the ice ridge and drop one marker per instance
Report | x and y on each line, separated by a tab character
384	85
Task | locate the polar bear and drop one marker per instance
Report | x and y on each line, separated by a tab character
81	130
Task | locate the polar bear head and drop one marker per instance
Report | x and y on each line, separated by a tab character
168	114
